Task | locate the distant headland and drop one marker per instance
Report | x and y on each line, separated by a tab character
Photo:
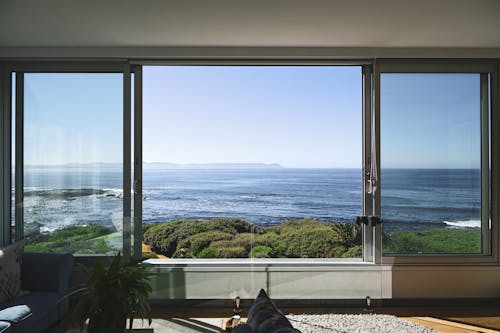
165	165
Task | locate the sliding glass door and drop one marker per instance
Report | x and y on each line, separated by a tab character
435	161
72	160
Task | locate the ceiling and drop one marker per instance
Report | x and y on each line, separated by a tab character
250	23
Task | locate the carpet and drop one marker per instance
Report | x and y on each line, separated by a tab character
355	323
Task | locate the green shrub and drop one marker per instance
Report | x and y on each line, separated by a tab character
165	238
183	253
232	252
209	252
309	239
353	252
236	238
198	242
349	233
261	251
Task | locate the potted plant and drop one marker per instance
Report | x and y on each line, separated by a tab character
112	295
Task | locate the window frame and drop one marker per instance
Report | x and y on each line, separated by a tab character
369	255
430	66
20	68
372	239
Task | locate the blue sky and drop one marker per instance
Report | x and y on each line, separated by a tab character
293	116
73	118
430	121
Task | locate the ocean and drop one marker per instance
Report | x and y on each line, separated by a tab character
411	199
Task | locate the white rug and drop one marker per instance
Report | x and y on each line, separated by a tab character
355	323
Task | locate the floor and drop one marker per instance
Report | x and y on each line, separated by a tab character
442	319
451	319
209	320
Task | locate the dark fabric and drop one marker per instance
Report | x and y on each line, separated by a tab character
5	327
264	317
15	314
44	309
47	272
243	328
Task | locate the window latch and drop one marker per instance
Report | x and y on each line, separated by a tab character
372	220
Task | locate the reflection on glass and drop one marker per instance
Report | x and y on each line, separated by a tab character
252	162
431	163
73	163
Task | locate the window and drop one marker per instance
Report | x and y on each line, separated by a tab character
252	161
435	163
73	153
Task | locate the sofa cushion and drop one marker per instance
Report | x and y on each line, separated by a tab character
264	317
4	327
10	271
15	314
44	309
46	272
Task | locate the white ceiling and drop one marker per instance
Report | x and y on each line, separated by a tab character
337	23
249	23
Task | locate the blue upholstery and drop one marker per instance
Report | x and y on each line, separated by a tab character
243	328
46	277
15	314
5	327
46	272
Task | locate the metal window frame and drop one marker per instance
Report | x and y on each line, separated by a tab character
489	152
5	155
371	133
6	70
137	246
369	234
122	66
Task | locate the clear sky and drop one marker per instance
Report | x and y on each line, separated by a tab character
293	116
73	118
430	121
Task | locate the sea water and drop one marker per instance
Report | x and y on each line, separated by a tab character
411	199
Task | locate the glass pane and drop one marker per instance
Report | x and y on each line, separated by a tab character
252	162
73	163
431	164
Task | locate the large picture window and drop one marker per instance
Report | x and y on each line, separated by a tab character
252	161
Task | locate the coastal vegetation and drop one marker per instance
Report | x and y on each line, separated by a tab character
237	238
73	239
434	241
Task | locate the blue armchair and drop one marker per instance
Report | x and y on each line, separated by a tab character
46	277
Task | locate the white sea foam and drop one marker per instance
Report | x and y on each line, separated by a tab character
464	223
249	196
113	190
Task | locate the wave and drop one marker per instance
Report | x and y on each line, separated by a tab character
64	194
249	196
464	223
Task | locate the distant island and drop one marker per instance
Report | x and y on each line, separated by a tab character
166	165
